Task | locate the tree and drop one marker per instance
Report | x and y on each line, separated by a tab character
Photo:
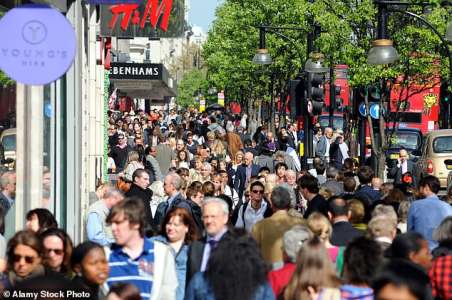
4	80
193	84
347	29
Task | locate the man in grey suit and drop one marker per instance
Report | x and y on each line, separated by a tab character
404	165
322	148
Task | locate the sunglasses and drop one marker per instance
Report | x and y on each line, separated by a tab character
28	259
258	191
56	251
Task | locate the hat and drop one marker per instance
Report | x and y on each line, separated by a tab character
294	238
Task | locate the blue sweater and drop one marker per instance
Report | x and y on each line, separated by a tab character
199	289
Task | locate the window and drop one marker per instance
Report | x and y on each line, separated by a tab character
442	144
406	117
407	140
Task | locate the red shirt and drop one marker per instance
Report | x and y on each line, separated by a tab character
280	278
441	277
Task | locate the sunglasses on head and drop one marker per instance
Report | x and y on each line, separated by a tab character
258	191
28	259
56	251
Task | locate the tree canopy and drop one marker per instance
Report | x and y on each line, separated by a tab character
347	29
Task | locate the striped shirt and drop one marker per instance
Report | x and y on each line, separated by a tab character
136	271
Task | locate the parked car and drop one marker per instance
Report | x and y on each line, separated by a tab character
437	149
8	140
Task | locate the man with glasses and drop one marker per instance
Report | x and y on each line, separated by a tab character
256	209
135	259
120	151
215	215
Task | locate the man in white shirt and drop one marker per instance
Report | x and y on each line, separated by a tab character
255	209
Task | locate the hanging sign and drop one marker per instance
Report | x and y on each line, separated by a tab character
37	44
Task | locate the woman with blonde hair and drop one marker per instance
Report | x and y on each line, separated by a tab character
218	150
313	275
133	163
321	227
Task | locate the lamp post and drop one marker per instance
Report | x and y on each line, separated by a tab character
382	51
312	65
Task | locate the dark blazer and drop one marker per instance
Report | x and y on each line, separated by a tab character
396	172
163	208
195	253
343	233
318	203
240	177
145	195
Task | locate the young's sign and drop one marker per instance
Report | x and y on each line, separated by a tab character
150	18
37	44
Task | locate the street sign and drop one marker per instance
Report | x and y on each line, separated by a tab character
221	98
202	104
362	109
374	111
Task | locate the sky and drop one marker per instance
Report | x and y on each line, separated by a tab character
202	12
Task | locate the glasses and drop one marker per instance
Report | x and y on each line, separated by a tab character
56	251
258	191
28	259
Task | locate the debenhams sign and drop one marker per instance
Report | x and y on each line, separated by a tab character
136	71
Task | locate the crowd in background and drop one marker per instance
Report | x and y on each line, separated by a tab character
214	206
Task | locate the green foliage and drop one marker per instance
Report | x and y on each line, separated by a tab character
4	80
348	28
192	84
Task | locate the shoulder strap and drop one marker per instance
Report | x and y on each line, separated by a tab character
340	261
244	206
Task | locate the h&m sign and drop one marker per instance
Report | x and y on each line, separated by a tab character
150	18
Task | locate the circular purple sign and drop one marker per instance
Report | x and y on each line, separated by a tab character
37	46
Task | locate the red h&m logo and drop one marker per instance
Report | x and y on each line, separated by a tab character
153	10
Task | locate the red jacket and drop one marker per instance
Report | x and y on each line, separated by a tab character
280	278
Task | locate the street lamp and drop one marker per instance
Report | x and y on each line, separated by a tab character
262	57
449	32
382	51
314	63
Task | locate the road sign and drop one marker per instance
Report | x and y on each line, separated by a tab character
362	109
374	111
221	98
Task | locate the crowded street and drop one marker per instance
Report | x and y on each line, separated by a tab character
225	150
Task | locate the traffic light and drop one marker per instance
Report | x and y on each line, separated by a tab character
317	93
296	93
338	100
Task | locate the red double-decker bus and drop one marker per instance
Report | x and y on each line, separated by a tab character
415	106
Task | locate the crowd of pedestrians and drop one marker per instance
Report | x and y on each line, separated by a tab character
211	206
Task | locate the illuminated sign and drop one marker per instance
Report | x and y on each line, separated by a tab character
150	18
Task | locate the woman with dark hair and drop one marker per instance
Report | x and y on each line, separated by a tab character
91	266
413	247
443	235
280	170
124	291
178	230
57	251
23	258
235	270
40	219
401	279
